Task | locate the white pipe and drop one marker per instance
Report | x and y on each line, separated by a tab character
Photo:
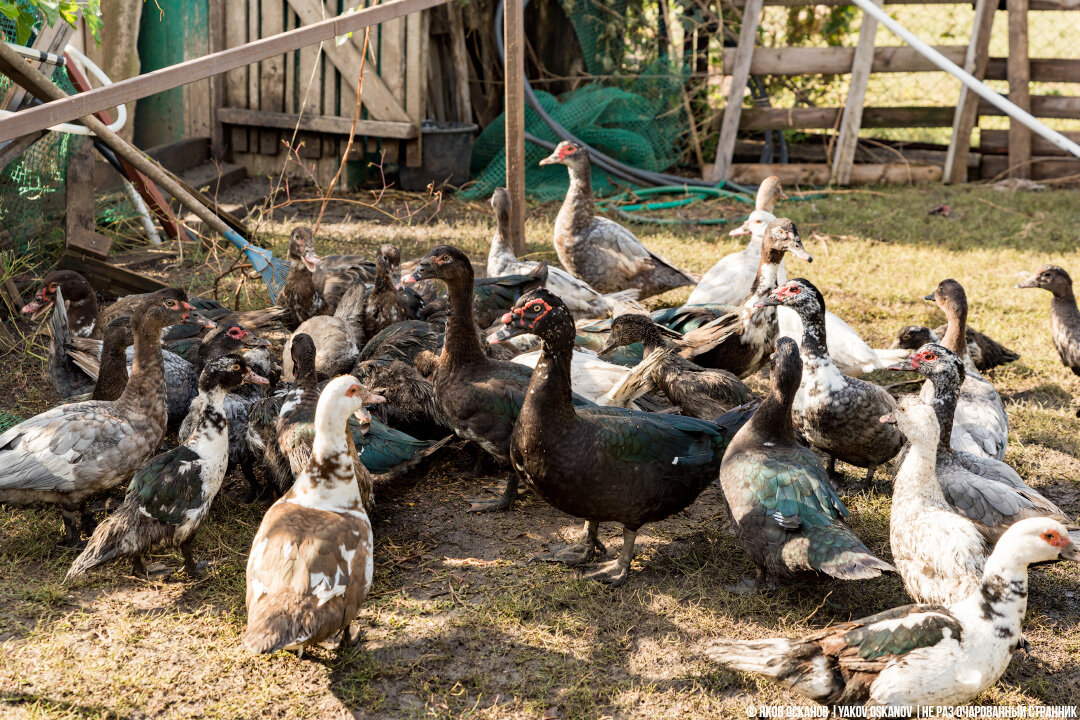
144	213
969	80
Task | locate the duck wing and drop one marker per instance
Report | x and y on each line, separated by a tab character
730	280
626	252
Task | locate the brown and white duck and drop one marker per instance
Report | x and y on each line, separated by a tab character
599	251
788	517
1064	316
698	391
980	425
579	296
71	453
986	352
837	414
915	655
311	561
299	296
170	495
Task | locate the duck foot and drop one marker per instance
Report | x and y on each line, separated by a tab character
72	537
156	571
505	501
349	639
752	584
616	572
195	570
1023	644
833	475
579	553
869	479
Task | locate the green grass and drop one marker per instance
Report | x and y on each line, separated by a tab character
460	625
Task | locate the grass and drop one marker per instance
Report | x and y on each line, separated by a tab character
460	625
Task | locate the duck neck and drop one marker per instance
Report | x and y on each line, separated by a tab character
82	314
1001	600
814	344
652	338
946	393
579	203
211	423
461	345
500	242
383	283
549	400
330	475
764	282
956	333
773	417
147	379
1063	303
112	372
917	475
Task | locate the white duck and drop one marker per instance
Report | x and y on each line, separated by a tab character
582	300
938	552
980	425
915	654
598	380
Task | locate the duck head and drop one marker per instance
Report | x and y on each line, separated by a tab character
569	153
239	334
303	356
344	396
224	340
798	294
768	193
634	328
302	248
538	312
388	262
912	337
118	333
1037	540
228	372
75	289
915	419
1048	277
168	306
755	224
443	262
949	296
933	360
787	370
500	202
781	236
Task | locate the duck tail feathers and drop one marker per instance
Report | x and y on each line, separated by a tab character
836	551
758	656
625	302
268	633
116	537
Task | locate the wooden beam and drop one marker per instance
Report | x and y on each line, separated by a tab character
315	123
124	91
217	83
107	277
1019	88
415	86
271	75
236	81
514	63
853	108
1041	69
838	60
826	118
459	57
1043	106
997	142
80	213
740	73
994	167
793	174
967	108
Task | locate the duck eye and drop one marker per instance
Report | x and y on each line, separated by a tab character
170	303
931	356
536	308
235	368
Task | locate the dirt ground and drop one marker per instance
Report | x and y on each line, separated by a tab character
460	623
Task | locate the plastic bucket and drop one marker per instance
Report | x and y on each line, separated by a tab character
445	156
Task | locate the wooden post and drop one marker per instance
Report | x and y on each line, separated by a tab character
217	82
1019	93
740	73
415	87
514	62
79	221
967	107
852	119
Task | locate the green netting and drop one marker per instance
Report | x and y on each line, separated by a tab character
639	121
32	186
7	420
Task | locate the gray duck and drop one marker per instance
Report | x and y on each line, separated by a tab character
788	518
1064	316
602	464
71	453
836	413
986	352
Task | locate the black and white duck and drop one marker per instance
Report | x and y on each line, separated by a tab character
981	425
602	464
698	391
915	655
170	495
788	518
71	453
1064	316
986	490
837	414
986	352
938	551
579	296
311	562
477	397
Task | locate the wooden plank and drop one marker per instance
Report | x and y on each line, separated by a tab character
997	142
967	107
1019	88
415	85
740	73
254	86
1043	106
271	75
459	56
236	81
793	174
52	40
316	123
71	108
838	60
79	220
378	99
514	108
816	150
853	108
217	82
309	97
1042	69
437	77
827	118
392	57
995	167
106	277
332	105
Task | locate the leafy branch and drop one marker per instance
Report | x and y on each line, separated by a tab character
25	15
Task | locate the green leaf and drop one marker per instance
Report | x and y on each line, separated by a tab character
24	26
10	9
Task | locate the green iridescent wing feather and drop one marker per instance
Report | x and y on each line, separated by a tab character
169	485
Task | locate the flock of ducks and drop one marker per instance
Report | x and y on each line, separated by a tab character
607	412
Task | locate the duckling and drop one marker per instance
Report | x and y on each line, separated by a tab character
170	495
311	562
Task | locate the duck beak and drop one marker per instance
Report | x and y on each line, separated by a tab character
741	230
251	340
200	320
373	398
552	159
507	331
768	301
905	366
364	418
1071	552
419	273
929	297
609	346
801	253
254	378
1020	286
310	261
889	419
34	305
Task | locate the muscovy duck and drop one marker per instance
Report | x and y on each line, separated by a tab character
71	453
938	552
1064	316
915	655
299	296
981	425
311	561
602	464
583	300
986	352
837	414
788	518
170	495
599	251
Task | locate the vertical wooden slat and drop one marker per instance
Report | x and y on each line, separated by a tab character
1019	71
460	57
290	58
309	91
217	82
254	71
392	57
852	119
272	75
331	81
236	81
415	76
967	106
740	73
514	62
